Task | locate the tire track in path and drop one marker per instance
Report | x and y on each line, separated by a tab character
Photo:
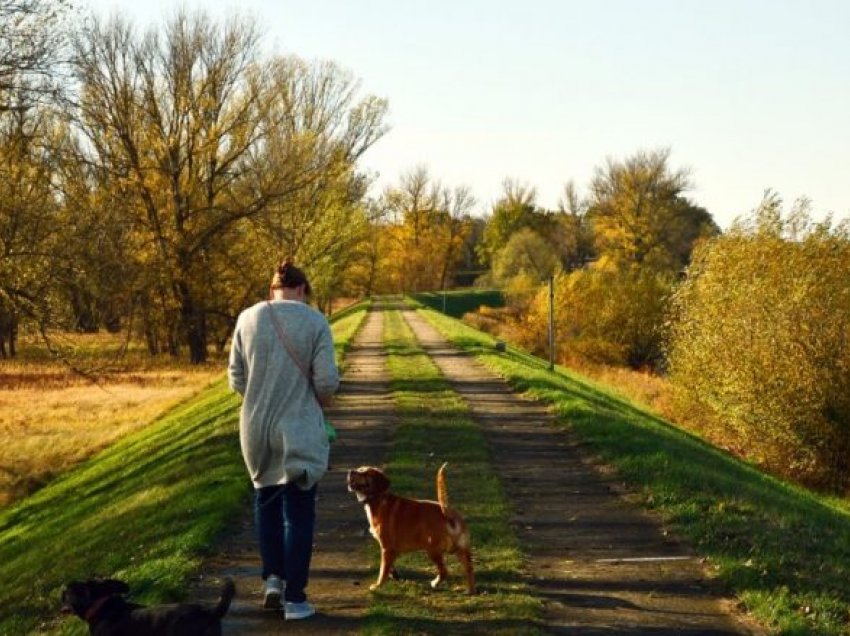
341	570
601	564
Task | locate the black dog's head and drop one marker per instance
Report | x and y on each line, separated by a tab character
81	597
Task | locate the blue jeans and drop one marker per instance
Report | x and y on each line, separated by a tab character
285	517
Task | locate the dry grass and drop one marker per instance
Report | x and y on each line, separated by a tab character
643	387
660	396
51	417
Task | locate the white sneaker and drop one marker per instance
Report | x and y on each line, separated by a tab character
296	611
272	592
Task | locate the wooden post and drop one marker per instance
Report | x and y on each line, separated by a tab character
552	323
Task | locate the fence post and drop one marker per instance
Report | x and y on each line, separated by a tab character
552	323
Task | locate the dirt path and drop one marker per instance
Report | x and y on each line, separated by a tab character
601	564
340	573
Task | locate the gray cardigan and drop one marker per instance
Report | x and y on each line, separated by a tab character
281	425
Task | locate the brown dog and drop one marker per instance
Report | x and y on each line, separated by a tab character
405	525
101	604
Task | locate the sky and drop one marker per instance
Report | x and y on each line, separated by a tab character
747	94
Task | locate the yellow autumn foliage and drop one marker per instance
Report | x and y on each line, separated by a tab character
604	316
760	341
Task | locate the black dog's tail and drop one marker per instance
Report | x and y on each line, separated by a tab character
228	591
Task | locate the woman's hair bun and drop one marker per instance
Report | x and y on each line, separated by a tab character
288	275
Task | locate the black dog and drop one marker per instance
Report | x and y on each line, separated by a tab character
102	606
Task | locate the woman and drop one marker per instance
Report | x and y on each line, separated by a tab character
282	363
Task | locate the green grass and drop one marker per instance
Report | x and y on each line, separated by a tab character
461	301
359	307
435	427
146	510
345	324
782	550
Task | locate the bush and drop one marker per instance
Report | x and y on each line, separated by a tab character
521	289
607	317
760	339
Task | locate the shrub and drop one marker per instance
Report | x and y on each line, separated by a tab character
760	339
608	317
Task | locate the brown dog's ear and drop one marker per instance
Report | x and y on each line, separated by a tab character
380	482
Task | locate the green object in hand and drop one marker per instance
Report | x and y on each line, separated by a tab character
330	430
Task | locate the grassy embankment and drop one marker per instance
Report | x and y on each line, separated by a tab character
435	426
782	550
146	510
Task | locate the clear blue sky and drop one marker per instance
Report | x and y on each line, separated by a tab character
748	94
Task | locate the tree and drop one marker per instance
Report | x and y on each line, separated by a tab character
95	258
411	207
31	42
515	210
640	217
325	128
524	253
760	340
364	273
428	224
571	233
174	119
605	317
455	225
29	233
211	144
522	265
470	266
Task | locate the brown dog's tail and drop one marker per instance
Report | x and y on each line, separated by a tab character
442	493
228	591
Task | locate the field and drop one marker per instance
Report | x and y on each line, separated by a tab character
52	417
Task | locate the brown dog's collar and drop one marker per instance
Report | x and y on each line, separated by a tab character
92	612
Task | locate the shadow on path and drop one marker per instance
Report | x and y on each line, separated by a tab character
601	564
341	570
